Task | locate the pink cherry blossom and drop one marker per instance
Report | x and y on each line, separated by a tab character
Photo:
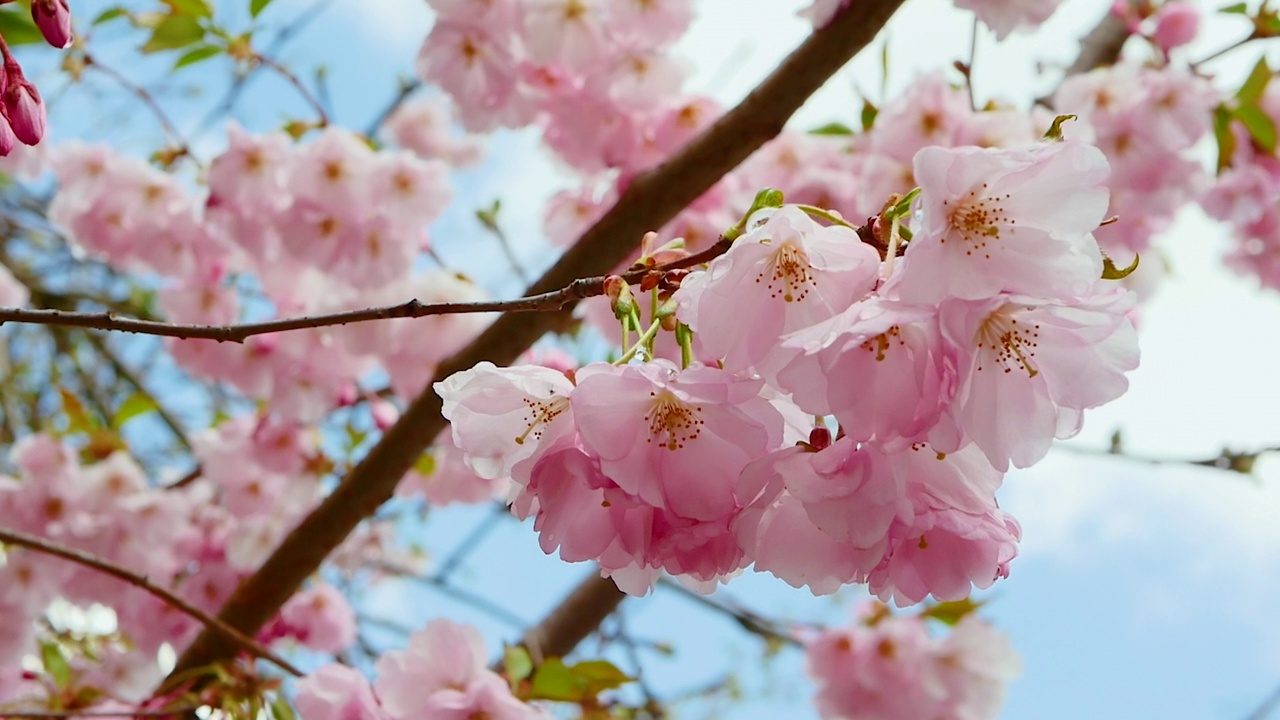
1006	220
337	692
1028	368
443	674
886	666
320	618
1007	16
676	439
879	367
786	274
502	417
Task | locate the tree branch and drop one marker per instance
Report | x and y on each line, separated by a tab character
653	198
543	302
211	623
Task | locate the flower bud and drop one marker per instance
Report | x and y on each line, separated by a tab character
1177	24
53	17
23	106
7	139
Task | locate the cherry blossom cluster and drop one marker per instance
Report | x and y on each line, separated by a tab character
890	667
1245	196
972	352
441	674
199	540
596	75
298	227
1147	121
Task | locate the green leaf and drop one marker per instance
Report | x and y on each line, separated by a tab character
1054	132
1260	126
110	14
601	675
1256	84
1237	9
1223	136
834	128
280	709
257	6
197	54
517	663
554	681
952	612
1111	272
18	28
174	32
55	664
78	418
195	8
133	406
869	114
903	206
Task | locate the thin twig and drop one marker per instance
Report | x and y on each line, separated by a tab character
135	713
13	537
147	99
543	302
1226	460
322	118
406	89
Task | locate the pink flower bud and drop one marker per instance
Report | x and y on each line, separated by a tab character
384	413
7	139
1176	25
23	106
53	17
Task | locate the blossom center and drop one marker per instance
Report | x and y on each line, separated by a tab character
1010	345
977	218
539	415
880	343
673	422
788	273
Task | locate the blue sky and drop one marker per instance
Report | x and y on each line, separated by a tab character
1142	591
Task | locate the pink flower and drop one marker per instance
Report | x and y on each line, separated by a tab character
882	672
676	439
320	618
1028	368
998	220
1177	23
337	692
443	674
651	23
1006	16
880	367
585	515
946	553
475	64
788	273
886	667
568	33
502	417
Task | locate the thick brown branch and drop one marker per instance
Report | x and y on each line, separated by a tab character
211	623
543	302
576	617
654	198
